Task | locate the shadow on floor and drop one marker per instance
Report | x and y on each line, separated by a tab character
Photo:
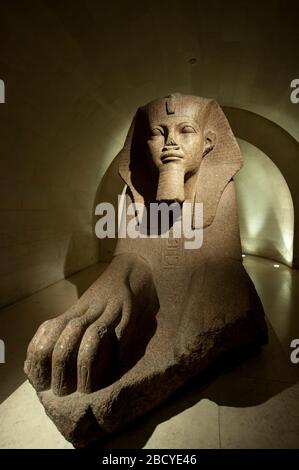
249	380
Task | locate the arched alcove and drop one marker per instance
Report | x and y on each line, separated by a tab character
266	213
277	144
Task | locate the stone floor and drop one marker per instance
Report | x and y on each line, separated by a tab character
253	404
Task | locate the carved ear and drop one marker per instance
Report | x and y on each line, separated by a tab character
219	167
209	142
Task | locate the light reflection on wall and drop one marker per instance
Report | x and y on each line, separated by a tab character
266	212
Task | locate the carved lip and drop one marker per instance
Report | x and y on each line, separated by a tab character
170	156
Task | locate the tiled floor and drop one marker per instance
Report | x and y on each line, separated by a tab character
254	404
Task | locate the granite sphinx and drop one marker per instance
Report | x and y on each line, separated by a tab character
160	313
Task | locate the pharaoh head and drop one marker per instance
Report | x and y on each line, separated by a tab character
180	147
176	142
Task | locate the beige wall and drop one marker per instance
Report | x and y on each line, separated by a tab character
75	73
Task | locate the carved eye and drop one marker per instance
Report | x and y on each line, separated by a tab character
157	131
188	130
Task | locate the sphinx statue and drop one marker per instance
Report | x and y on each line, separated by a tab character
160	313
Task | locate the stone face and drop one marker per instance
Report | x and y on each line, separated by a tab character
161	312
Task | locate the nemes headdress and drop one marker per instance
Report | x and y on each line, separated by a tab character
217	168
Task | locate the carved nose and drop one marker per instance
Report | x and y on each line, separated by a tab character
170	142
